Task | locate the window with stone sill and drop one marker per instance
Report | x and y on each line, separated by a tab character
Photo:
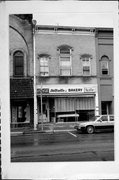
18	61
86	64
104	65
65	60
44	65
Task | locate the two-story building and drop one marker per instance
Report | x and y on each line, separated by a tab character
21	71
66	72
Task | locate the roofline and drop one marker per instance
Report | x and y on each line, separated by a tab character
73	27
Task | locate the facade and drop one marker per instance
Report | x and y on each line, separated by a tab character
105	72
21	72
66	73
74	72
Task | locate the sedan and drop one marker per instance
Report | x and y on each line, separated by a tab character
101	122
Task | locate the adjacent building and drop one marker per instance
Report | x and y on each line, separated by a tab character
105	71
21	71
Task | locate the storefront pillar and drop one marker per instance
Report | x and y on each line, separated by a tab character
96	103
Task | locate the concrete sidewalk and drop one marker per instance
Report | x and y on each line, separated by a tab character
45	128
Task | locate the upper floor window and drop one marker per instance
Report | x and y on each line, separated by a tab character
104	65
44	65
86	64
18	59
65	60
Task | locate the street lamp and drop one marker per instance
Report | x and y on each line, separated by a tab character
34	65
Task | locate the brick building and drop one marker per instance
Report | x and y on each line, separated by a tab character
105	72
66	72
21	71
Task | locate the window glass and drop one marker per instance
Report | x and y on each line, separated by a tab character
86	65
111	118
65	61
104	65
44	66
18	58
104	118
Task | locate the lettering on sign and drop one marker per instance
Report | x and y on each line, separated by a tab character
44	90
75	90
89	90
57	91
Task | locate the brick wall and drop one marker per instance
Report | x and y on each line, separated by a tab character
81	44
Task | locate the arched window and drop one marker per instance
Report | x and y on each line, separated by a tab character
18	58
44	64
104	65
65	60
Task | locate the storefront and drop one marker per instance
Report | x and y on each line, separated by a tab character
69	102
21	102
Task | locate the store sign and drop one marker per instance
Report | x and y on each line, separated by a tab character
68	90
44	90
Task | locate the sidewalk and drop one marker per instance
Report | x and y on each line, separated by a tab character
45	128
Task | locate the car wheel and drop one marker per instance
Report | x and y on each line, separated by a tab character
90	129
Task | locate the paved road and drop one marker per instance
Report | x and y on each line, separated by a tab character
63	146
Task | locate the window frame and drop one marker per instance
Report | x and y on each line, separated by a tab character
46	56
83	60
62	55
14	63
106	60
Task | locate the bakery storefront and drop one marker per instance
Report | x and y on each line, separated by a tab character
67	103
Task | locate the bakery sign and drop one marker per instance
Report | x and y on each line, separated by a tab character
65	90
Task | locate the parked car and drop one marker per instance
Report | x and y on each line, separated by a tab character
101	122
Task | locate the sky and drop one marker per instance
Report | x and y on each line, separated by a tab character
75	14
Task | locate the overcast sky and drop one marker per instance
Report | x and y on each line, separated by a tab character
86	14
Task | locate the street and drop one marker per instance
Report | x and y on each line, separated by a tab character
62	146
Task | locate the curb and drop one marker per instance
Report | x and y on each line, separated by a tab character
37	131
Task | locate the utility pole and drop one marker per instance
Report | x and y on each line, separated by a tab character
41	98
35	93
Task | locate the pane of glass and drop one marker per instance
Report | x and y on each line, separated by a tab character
18	61
65	72
19	71
104	65
65	51
104	118
44	73
65	63
105	71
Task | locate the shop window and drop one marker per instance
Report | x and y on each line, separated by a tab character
65	60
18	59
44	65
105	65
86	64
